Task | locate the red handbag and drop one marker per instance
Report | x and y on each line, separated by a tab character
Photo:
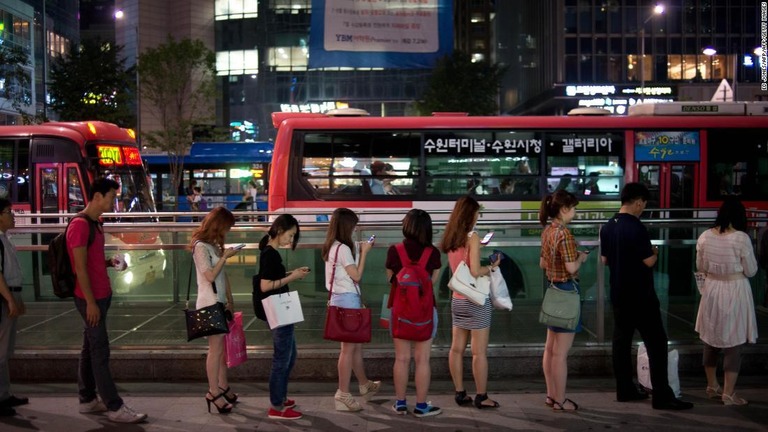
346	324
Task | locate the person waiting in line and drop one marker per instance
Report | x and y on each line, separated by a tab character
284	232
726	318
561	262
626	248
11	308
417	229
469	320
213	286
344	266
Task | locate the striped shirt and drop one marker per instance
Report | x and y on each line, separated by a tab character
557	248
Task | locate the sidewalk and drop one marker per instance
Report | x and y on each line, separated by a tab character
181	407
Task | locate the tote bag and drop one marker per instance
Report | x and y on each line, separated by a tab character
234	341
346	324
283	309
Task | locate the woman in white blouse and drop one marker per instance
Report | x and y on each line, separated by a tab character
726	318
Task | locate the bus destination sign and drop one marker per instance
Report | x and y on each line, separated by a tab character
109	155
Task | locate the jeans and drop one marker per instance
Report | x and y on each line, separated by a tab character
93	371
7	344
283	359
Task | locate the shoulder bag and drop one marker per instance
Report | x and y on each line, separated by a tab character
346	324
474	289
560	308
206	321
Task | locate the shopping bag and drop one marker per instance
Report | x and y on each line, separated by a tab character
234	341
206	321
283	309
499	292
644	371
386	312
347	324
475	290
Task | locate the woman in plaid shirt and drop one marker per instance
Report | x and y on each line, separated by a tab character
561	261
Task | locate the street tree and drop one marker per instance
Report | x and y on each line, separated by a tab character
459	85
93	83
16	80
177	78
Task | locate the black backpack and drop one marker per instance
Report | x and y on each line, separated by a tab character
62	275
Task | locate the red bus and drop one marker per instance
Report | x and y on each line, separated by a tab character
690	155
48	168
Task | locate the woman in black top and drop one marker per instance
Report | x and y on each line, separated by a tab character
284	232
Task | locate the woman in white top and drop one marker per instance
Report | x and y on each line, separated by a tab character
726	318
210	256
343	271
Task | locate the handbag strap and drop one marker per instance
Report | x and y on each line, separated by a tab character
189	280
333	276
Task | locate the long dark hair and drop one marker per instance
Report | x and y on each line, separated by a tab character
213	228
553	203
343	221
731	213
459	224
417	226
282	223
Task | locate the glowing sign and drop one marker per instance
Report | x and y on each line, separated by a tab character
132	156
109	155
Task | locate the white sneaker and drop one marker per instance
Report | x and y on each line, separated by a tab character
126	414
345	402
94	406
369	389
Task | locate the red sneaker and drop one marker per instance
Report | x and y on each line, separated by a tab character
286	414
289	403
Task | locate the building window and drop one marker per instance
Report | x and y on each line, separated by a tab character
288	58
236	9
291	6
237	62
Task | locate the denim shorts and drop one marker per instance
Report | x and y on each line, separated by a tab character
346	300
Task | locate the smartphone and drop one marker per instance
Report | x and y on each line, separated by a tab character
238	247
372	238
589	249
494	256
487	238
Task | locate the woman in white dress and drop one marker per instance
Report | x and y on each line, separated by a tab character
726	318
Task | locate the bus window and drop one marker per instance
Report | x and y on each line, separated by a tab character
14	175
741	169
75	197
585	163
49	190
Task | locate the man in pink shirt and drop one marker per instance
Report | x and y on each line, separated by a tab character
93	295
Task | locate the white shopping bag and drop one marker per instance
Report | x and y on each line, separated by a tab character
644	371
499	292
283	309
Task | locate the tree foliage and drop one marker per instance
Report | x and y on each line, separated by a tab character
177	78
16	79
459	85
93	83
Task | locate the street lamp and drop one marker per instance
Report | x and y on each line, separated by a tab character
657	10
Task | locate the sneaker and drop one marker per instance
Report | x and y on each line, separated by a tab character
400	409
94	406
289	403
126	414
369	389
428	411
285	414
345	402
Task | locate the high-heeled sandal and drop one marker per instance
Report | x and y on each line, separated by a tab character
480	398
225	409
462	399
226	392
560	406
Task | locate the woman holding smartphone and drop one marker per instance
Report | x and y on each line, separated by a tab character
470	321
210	257
344	265
561	262
284	233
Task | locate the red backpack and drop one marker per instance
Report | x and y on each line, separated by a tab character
412	299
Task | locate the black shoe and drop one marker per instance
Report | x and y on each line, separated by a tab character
672	404
7	412
636	396
14	401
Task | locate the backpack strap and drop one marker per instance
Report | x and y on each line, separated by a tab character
425	255
402	253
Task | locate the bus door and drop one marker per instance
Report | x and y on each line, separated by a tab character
673	193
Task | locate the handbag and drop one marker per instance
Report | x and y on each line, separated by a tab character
283	309
346	324
206	321
499	292
234	341
475	290
560	308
